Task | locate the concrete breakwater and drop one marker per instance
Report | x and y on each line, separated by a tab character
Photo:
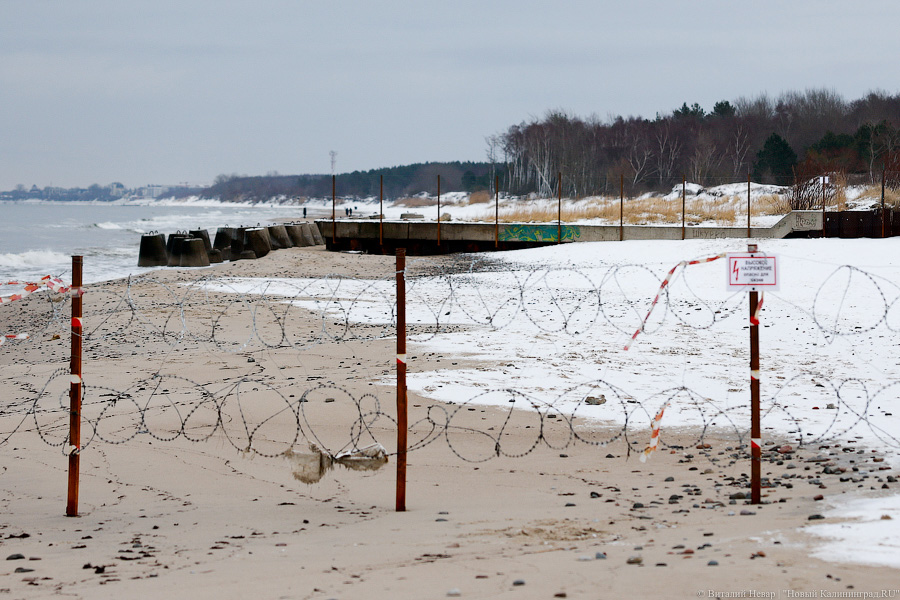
434	237
194	248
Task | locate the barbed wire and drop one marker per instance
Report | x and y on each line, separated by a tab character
350	308
266	417
165	407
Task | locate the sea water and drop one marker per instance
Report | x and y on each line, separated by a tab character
39	238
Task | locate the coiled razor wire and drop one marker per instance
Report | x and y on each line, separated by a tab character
565	302
254	417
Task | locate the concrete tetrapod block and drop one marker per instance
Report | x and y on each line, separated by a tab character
316	234
173	248
193	253
279	236
215	255
237	243
203	235
153	251
257	239
295	232
276	245
306	230
223	240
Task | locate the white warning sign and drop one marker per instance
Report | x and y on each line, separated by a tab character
753	272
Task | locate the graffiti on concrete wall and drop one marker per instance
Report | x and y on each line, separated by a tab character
807	220
539	233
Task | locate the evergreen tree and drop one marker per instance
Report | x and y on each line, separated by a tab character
775	161
723	109
689	112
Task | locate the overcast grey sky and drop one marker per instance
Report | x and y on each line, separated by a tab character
95	91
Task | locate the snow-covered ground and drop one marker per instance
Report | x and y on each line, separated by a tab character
552	324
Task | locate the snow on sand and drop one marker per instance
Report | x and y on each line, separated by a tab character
552	324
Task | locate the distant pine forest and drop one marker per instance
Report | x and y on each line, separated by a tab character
393	182
784	140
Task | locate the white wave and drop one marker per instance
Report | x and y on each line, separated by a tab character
33	258
107	225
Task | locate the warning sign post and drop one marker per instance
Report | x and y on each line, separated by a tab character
754	272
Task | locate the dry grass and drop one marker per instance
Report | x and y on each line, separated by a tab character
838	200
873	193
772	204
482	197
726	211
416	202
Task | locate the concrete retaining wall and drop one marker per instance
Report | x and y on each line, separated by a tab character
448	237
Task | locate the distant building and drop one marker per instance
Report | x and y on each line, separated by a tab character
116	189
153	191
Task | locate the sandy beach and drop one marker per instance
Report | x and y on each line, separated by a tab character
163	516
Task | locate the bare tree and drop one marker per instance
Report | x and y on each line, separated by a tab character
666	151
705	159
736	150
638	155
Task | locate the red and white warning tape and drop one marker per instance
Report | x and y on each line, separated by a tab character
654	434
754	318
13	336
54	284
665	282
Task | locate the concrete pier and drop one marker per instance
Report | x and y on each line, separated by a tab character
421	237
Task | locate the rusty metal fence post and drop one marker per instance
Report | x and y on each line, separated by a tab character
74	449
381	212
883	213
439	213
496	211
402	422
559	207
333	210
621	207
755	426
748	206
